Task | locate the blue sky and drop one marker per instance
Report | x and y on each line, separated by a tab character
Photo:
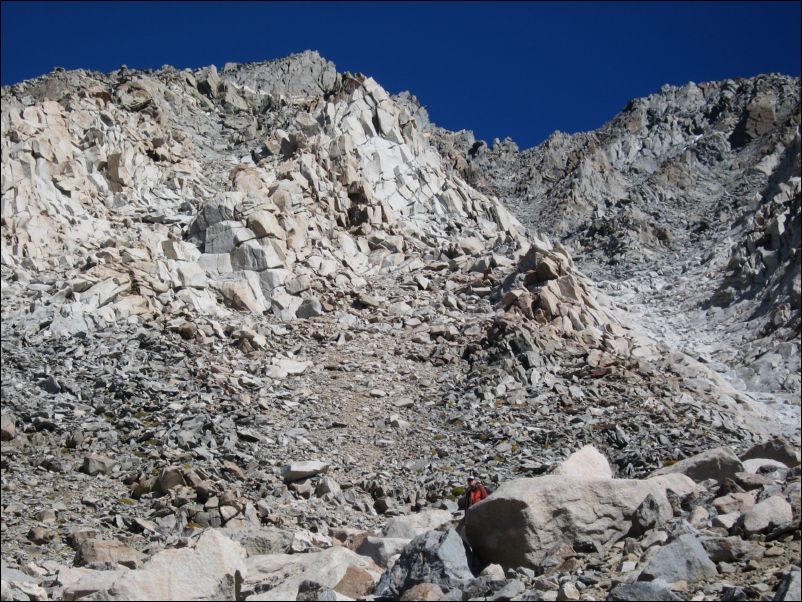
501	69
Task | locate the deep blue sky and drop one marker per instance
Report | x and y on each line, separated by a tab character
501	69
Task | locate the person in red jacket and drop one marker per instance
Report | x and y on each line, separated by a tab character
475	493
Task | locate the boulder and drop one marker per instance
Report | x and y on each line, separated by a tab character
97	550
776	448
684	559
278	576
587	463
434	557
524	518
302	470
771	512
719	463
211	570
407	527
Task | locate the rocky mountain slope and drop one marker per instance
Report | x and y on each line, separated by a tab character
689	199
276	303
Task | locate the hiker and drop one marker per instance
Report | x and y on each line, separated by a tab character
475	493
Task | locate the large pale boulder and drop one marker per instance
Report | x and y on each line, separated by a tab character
586	463
719	463
277	576
208	571
771	512
525	517
407	527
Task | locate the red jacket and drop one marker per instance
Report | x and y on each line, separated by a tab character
476	494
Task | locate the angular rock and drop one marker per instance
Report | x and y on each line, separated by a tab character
587	463
98	551
433	557
684	559
258	541
302	470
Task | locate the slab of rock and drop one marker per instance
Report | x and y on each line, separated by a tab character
524	518
433	557
278	576
771	512
211	570
587	463
719	464
302	470
99	550
684	559
777	448
407	527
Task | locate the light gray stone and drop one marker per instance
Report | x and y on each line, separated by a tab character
524	518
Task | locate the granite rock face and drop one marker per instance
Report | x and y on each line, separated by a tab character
685	208
261	322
